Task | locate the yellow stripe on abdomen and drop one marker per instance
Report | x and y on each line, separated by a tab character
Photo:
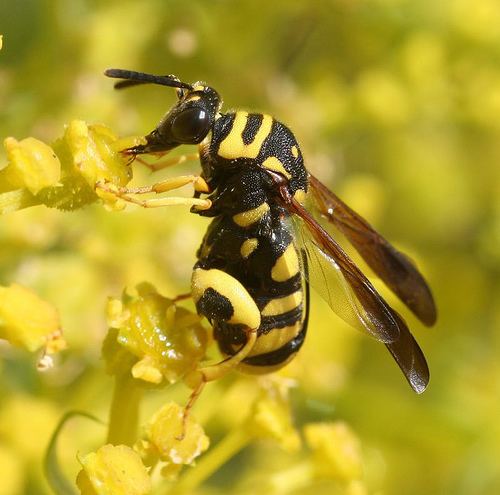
275	339
281	305
245	311
248	247
286	266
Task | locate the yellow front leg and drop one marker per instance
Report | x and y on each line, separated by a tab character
198	182
127	194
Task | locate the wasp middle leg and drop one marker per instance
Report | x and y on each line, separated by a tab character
168	162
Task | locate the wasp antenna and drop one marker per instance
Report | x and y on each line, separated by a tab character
126	83
133	78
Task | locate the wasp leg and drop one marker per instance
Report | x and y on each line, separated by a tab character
127	194
216	371
203	204
182	297
199	378
168	162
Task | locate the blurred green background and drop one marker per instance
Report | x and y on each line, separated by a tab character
396	104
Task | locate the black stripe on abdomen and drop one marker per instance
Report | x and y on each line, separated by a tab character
280	355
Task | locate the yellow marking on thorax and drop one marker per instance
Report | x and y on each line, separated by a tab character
193	98
233	147
248	247
282	305
272	163
249	217
295	151
286	266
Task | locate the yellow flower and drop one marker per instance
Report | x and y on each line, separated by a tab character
93	154
113	470
336	450
89	154
32	164
65	175
29	322
168	340
168	438
271	416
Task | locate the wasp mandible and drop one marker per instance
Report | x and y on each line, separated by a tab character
265	245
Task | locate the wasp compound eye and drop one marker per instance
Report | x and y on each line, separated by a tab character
190	125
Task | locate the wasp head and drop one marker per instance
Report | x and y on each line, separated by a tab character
187	122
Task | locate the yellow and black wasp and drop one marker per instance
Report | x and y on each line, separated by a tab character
264	245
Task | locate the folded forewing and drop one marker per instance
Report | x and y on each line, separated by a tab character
392	266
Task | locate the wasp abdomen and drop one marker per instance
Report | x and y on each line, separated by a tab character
250	241
254	251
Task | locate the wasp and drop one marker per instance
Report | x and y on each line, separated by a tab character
266	243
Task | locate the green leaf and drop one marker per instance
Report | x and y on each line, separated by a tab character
55	477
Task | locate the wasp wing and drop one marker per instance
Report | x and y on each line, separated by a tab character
392	266
327	278
410	358
352	296
342	284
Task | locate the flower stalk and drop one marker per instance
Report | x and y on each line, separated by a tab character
124	411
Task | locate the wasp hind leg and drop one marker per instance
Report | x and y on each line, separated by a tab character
199	378
220	297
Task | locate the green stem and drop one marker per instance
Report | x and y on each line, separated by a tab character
124	413
214	459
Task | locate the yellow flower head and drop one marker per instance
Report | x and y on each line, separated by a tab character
65	174
168	340
29	322
172	439
336	450
113	470
271	416
31	164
